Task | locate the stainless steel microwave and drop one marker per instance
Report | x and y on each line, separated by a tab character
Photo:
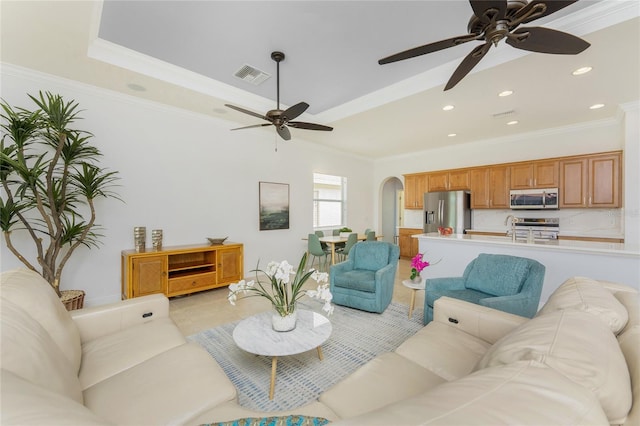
534	199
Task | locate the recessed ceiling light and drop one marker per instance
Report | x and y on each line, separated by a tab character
505	93
136	87
220	110
582	70
511	123
596	106
451	135
448	107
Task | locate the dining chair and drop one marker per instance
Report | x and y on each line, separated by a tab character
315	250
371	236
324	246
344	251
336	233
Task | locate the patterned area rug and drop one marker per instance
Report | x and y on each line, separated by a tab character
357	337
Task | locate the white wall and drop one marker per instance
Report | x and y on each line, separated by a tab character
190	176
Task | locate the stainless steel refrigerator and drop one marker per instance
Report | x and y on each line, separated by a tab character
447	209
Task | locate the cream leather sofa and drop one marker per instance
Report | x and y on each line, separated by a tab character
117	364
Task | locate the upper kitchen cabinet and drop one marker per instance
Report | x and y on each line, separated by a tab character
490	187
535	174
591	181
450	180
415	185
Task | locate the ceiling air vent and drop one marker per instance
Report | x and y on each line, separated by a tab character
504	114
251	75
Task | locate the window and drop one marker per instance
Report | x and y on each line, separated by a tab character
329	200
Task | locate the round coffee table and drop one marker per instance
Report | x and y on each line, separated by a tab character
415	287
255	335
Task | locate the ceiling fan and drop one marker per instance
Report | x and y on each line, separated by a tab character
494	20
281	118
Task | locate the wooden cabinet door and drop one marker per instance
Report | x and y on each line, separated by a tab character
404	241
545	174
499	187
408	244
573	183
522	176
230	265
438	182
459	180
604	181
414	188
479	188
149	275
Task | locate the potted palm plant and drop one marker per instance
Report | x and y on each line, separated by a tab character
50	180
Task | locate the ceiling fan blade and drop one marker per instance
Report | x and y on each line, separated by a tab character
539	8
255	125
545	40
467	64
489	10
309	126
246	111
294	111
428	48
284	132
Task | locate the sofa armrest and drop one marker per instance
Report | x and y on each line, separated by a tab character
106	319
479	321
448	283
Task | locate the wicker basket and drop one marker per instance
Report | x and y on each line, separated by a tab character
72	299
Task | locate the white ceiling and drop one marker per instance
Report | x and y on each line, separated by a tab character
184	53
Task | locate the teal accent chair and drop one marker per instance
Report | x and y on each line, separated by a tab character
507	283
365	280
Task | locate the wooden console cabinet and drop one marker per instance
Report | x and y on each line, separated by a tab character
178	270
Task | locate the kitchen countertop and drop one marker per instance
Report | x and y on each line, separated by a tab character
619	249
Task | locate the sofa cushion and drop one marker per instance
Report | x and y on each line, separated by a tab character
579	346
588	295
370	255
24	403
357	279
496	274
523	393
434	346
169	388
29	352
32	293
109	355
386	379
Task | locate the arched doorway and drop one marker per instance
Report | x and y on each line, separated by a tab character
391	209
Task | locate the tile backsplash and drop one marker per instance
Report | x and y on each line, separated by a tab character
605	223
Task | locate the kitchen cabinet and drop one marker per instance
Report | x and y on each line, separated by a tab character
591	181
179	270
490	187
415	185
535	174
451	180
408	244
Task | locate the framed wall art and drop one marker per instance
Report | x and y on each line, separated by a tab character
274	206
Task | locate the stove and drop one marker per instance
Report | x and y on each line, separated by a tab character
536	228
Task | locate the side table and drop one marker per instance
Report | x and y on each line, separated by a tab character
255	335
414	287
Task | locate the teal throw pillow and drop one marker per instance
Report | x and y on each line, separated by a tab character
497	274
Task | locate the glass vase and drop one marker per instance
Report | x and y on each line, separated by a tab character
284	323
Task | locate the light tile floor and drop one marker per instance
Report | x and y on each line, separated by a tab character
208	309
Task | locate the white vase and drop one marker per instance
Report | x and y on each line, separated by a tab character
417	279
284	323
345	234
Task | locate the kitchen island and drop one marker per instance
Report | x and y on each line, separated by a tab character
563	259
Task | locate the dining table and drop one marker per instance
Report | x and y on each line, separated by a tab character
332	240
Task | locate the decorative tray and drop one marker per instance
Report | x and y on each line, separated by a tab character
216	241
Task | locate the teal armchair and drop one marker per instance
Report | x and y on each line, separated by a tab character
507	283
365	280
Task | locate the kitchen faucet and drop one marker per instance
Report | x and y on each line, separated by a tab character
511	219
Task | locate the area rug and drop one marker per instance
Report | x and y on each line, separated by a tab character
357	337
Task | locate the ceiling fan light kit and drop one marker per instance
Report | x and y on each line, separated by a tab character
281	119
495	20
